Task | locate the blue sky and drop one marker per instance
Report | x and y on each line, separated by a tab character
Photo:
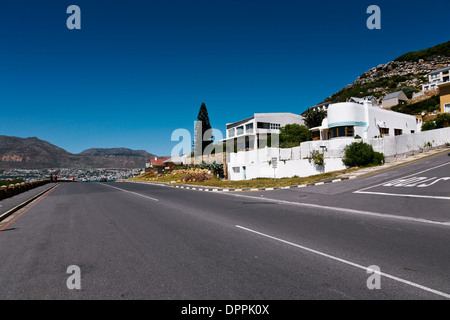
138	70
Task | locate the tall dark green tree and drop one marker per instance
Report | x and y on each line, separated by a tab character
202	126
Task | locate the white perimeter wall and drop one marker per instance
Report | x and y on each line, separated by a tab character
293	162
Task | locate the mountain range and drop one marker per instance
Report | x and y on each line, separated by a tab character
34	153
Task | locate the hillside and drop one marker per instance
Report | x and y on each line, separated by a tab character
33	153
407	72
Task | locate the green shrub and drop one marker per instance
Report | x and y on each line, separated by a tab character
378	158
428	125
359	154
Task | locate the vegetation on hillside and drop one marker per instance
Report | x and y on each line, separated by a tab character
441	121
428	105
427	54
361	90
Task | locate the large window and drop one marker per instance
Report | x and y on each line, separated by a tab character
231	133
435	76
240	130
249	128
263	125
338	132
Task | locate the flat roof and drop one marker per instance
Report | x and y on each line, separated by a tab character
439	70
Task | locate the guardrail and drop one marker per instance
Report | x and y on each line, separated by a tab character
12	190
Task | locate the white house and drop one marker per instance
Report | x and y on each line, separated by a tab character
252	132
349	120
437	77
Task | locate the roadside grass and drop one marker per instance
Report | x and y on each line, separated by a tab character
245	184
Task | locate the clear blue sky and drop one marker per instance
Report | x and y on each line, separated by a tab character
137	70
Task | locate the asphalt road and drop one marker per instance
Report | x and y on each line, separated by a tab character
139	241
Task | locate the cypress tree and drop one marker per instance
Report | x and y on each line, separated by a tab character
203	124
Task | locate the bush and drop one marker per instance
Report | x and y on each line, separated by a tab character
360	154
428	125
378	158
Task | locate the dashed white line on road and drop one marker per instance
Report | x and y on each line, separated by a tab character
138	194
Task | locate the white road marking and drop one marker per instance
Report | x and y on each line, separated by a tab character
135	193
408	176
401	181
442	294
345	210
403	195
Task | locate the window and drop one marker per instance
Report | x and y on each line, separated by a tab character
316	135
384	132
398	132
274	126
263	125
249	128
447	107
347	131
413	131
240	130
435	76
231	133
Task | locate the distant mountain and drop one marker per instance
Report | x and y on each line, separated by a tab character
117	152
33	153
407	72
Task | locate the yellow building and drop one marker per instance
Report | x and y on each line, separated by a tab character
445	97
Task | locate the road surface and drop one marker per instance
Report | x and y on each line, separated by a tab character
142	241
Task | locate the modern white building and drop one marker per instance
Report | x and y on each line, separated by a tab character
436	78
350	120
251	133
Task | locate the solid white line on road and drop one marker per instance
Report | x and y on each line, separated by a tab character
138	194
442	294
345	210
402	195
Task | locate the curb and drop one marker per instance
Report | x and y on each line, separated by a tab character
319	183
23	204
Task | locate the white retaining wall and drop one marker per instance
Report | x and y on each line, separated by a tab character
246	165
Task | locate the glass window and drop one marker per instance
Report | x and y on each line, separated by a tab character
384	132
249	128
346	131
231	133
274	126
240	130
447	107
263	125
398	132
